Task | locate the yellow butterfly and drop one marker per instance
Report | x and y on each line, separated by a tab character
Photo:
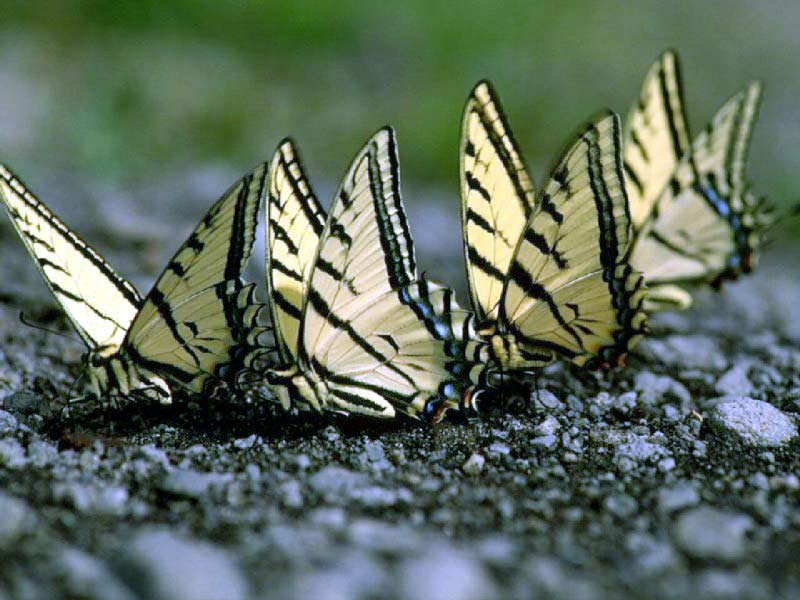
695	219
547	272
197	324
358	331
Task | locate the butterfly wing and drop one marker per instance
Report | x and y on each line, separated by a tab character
100	304
294	223
705	226
419	349
570	291
381	340
497	197
720	152
199	318
656	136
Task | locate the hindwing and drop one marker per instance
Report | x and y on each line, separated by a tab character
378	339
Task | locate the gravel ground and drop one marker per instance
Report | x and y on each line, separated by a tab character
674	478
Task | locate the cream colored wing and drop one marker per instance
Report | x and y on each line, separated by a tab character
570	291
656	136
366	247
414	354
497	197
705	227
100	304
382	341
720	151
294	223
365	253
199	318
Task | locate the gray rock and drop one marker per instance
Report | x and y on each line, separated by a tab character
547	401
42	453
474	464
665	465
734	382
384	538
709	533
378	496
722	584
651	556
15	519
682	494
753	422
557	580
444	573
499	448
639	449
248	442
547	427
546	441
292	494
192	484
92	498
687	352
163	565
621	506
12	454
88	577
374	450
351	575
333	482
654	389
154	455
23	403
8	423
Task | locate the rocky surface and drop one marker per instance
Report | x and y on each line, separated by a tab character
676	477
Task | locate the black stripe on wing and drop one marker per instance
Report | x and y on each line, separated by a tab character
395	238
604	203
86	251
322	308
308	201
679	143
497	140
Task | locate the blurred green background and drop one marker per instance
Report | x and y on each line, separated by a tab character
132	91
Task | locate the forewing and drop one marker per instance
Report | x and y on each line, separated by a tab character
294	224
100	304
365	250
720	151
570	290
497	197
198	315
656	136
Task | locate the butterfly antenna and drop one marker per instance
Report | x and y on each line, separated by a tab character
24	321
77	379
